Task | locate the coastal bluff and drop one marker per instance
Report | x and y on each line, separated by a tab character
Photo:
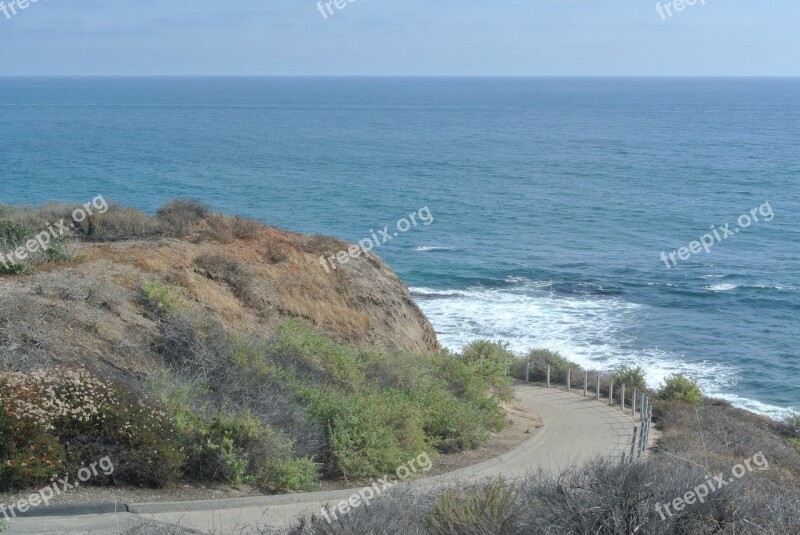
90	310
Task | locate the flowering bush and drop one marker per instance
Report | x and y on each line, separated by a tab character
28	453
51	420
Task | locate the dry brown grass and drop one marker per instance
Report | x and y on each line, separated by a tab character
218	229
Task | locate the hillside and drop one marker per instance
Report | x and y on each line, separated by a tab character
198	348
89	310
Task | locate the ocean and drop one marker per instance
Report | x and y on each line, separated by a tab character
552	199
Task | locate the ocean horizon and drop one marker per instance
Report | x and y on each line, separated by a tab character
554	200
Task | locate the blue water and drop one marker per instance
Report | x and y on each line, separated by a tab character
552	198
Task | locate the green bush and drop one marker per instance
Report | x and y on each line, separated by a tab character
290	474
492	361
634	377
381	409
680	388
17	268
59	250
164	298
230	447
14	235
539	359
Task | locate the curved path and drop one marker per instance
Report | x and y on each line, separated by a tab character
575	429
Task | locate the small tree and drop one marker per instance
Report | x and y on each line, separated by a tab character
681	388
631	376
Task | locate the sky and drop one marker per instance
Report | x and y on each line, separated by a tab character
400	37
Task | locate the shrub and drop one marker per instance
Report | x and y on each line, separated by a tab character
163	298
632	376
398	513
245	229
65	418
491	360
218	229
29	452
119	223
276	250
357	412
483	509
290	474
181	214
14	235
539	359
17	268
680	388
380	409
59	249
231	447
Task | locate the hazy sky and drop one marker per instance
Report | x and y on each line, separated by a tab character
400	37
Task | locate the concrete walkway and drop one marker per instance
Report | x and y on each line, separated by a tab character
575	429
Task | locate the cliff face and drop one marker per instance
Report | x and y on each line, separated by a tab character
90	311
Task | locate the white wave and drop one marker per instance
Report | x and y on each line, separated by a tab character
774	412
724	287
594	333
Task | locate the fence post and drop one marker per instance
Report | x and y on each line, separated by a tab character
548	376
585	384
611	392
569	378
633	400
527	372
633	442
645	423
622	398
598	386
641	442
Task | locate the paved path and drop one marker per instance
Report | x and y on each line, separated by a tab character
575	429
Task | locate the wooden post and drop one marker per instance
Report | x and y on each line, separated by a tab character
633	400
569	378
641	441
527	372
548	376
598	386
622	400
585	384
633	442
611	392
